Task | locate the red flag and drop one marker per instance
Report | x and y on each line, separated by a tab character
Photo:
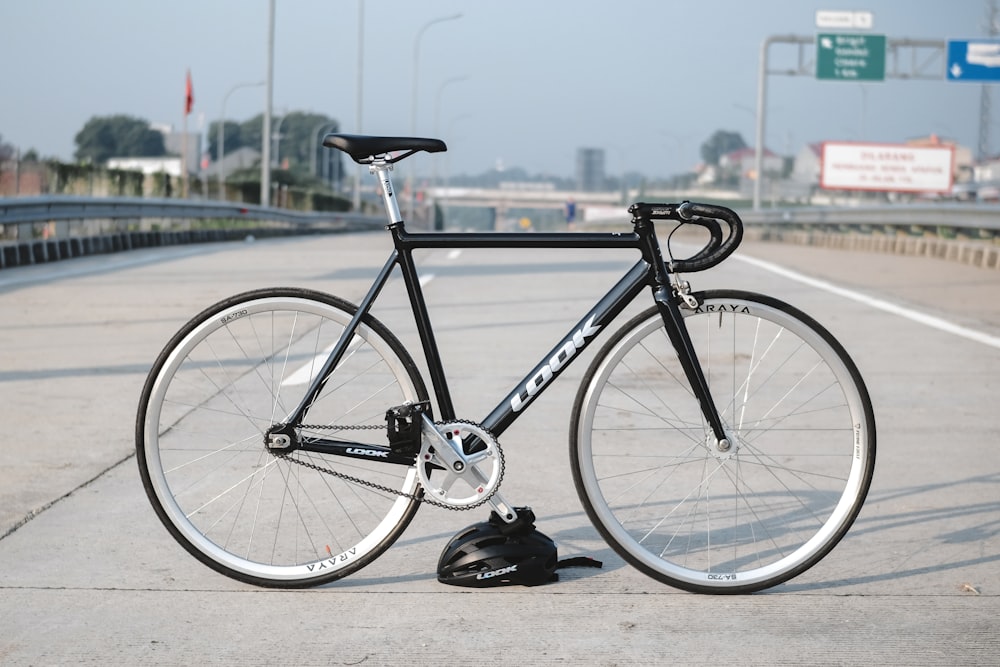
188	95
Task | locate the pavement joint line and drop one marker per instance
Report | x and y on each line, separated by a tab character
37	512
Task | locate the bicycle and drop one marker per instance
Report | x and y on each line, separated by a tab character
720	441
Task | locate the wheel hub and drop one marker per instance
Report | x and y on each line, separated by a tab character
724	449
281	439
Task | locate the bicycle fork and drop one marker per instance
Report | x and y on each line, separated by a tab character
673	321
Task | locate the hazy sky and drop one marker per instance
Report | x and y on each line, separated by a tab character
646	80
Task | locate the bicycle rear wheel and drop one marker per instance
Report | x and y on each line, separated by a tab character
803	453
231	373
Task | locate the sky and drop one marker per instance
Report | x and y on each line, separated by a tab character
513	83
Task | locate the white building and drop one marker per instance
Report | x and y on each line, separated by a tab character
148	165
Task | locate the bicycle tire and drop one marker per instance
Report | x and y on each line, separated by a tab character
233	371
672	505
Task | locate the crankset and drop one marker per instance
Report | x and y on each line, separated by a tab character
451	476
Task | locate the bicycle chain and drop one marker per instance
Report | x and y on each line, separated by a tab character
387	489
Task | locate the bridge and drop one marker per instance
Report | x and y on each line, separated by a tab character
521	195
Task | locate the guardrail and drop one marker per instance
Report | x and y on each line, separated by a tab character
44	229
913	218
965	233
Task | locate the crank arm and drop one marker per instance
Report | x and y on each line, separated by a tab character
503	510
445	449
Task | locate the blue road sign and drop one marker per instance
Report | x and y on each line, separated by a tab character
973	60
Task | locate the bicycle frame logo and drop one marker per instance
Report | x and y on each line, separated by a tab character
558	361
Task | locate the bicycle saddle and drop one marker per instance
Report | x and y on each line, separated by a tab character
363	148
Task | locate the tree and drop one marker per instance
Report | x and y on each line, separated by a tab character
6	150
233	138
300	135
719	144
117	136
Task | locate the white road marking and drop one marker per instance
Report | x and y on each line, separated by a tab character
455	254
895	309
309	370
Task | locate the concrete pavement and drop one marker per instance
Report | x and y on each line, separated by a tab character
87	573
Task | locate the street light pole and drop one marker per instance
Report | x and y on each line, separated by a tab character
413	109
437	114
314	144
361	52
265	149
221	153
276	138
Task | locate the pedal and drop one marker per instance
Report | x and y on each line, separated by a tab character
403	425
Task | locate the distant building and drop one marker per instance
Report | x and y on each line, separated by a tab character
147	165
239	158
807	164
174	143
742	162
590	169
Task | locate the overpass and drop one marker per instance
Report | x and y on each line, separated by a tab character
521	195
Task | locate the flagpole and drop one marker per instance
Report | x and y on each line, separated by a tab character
184	171
188	104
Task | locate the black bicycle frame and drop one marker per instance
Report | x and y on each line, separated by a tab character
649	271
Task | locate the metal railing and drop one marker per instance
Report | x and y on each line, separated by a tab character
59	207
929	217
49	228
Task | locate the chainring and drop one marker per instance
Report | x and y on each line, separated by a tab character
470	487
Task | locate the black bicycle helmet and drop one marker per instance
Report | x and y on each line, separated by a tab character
491	553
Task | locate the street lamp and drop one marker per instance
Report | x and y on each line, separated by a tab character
358	97
314	141
437	114
447	162
222	135
276	138
413	110
437	102
265	148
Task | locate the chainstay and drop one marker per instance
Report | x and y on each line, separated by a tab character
419	497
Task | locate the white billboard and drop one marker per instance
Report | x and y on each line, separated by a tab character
886	167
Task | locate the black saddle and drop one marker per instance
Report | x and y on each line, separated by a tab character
363	148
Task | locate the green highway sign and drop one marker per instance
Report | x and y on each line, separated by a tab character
850	57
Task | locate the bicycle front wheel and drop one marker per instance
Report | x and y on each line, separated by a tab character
802	453
230	374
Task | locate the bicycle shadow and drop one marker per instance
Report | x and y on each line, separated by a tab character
986	525
986	515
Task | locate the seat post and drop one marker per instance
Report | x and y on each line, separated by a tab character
381	169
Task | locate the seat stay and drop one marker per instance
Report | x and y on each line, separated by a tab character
337	354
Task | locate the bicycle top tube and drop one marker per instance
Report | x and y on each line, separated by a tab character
376	152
